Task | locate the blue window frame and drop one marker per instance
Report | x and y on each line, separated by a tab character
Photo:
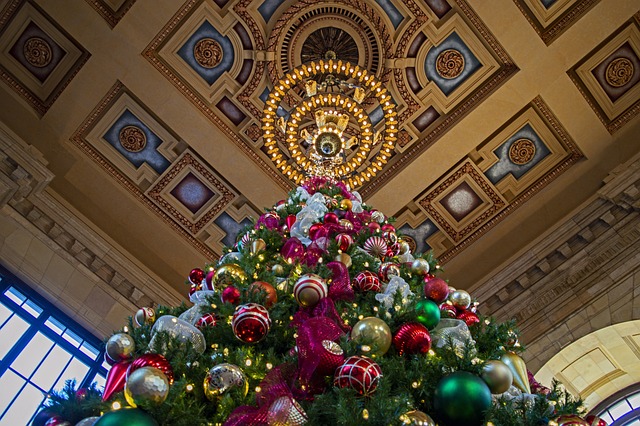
622	408
40	348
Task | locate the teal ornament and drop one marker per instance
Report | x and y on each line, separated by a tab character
461	399
428	313
126	416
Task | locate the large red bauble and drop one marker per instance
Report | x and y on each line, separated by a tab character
412	338
230	295
152	360
595	421
387	227
270	295
388	270
331	218
448	311
208	279
436	289
331	357
367	281
196	276
251	322
309	289
359	373
373	226
313	230
207	320
344	241
469	318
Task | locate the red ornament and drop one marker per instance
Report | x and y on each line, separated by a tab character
344	241
331	357
290	220
313	230
152	360
331	218
448	311
375	246
270	295
359	373
251	322
196	276
207	320
390	237
208	280
230	295
388	270
373	227
387	227
393	250
81	394
367	281
412	338
436	289
468	317
309	289
193	289
116	378
595	421
571	420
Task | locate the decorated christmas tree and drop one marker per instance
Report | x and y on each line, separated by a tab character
321	314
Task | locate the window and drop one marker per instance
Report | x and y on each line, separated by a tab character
621	409
40	349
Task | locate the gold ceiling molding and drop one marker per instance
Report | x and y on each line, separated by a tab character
112	11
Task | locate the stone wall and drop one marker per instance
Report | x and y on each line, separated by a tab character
581	276
51	247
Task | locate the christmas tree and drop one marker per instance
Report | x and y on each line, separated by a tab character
321	314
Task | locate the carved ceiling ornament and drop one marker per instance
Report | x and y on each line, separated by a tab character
208	53
450	64
619	72
522	151
37	52
132	138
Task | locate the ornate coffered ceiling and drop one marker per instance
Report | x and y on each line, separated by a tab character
149	113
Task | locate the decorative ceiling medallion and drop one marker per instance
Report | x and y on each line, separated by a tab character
208	53
450	63
329	43
619	72
132	138
522	151
37	52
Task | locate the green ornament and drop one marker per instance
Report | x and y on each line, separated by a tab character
126	416
428	313
461	399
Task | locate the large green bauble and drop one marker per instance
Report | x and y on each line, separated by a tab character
461	399
126	417
428	313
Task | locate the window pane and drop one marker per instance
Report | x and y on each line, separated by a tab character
23	407
634	400
32	354
76	370
15	295
100	382
89	350
620	409
49	371
5	313
31	307
10	333
72	338
55	325
10	383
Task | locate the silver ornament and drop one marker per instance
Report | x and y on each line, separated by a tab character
120	347
222	378
146	386
460	299
420	266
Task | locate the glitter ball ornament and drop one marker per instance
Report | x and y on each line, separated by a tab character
270	295
145	316
460	299
359	373
367	281
223	378
372	335
251	322
331	357
420	266
436	289
412	338
388	270
285	411
152	360
228	274
375	246
278	270
196	276
344	241
207	320
309	289
146	386
179	331
120	347
230	295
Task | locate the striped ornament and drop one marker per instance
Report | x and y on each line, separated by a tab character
359	373
251	322
376	246
309	289
367	281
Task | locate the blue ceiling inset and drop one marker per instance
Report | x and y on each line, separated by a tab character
390	9
186	52
231	227
149	154
471	64
268	8
192	193
420	234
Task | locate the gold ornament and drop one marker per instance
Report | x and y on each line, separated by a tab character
373	335
460	299
346	224
404	247
258	246
228	274
519	371
145	316
346	204
285	411
146	386
344	258
417	418
278	270
497	376
120	346
420	266
223	378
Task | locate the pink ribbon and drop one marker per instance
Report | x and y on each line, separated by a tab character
340	288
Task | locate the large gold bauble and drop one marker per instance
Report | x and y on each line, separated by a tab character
228	275
373	335
146	386
258	245
417	418
224	378
497	376
120	346
519	371
420	266
346	204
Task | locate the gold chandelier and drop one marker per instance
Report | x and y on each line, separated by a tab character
314	136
